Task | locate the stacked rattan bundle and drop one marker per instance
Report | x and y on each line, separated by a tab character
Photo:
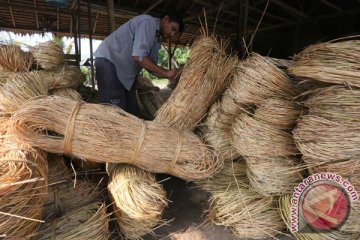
203	78
151	101
233	173
286	113
310	234
148	145
262	96
138	200
216	131
270	155
87	222
67	92
21	88
257	79
13	59
246	213
321	140
63	77
5	76
48	55
23	188
332	62
328	138
65	194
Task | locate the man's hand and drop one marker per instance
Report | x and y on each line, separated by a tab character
172	73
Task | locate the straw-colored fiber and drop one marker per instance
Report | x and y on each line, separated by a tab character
21	88
67	92
23	188
48	55
231	175
216	131
139	200
331	62
256	79
273	176
246	213
88	222
336	103
281	114
349	169
5	76
63	77
146	144
151	101
203	79
327	141
13	59
255	138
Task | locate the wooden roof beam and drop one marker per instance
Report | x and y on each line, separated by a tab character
11	14
36	15
331	5
290	9
152	6
95	23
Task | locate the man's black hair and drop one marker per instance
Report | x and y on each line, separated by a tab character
175	16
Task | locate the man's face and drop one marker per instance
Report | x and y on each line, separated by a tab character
168	29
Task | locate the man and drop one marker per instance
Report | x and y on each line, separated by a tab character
122	55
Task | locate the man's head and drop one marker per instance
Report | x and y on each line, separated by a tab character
171	24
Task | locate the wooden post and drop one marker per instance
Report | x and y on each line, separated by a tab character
111	14
169	53
91	46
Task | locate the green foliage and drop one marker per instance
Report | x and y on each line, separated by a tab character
59	41
181	55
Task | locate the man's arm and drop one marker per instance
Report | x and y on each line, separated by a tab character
152	67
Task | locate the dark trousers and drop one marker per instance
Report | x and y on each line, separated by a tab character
111	90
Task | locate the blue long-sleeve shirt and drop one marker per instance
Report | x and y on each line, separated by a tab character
140	36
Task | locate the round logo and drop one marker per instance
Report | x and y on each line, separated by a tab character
325	206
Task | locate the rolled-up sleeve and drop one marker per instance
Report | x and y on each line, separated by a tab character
144	38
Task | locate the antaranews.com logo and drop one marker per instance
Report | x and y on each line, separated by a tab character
321	202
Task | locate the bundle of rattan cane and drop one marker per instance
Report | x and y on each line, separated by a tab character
349	169
87	222
307	233
332	62
148	145
273	175
151	101
281	114
232	173
138	200
48	55
216	131
246	213
63	77
203	78
21	88
268	151
326	141
336	103
255	138
13	59
67	92
23	188
65	195
257	79
5	76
